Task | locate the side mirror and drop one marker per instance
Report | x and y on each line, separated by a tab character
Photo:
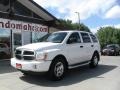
72	40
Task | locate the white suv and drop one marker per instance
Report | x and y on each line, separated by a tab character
58	52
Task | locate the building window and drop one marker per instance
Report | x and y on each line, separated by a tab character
5	44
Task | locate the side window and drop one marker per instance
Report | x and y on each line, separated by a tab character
94	39
74	38
85	37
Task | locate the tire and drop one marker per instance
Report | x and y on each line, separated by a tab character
118	53
94	61
57	69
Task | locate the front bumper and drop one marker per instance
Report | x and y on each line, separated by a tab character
33	66
108	53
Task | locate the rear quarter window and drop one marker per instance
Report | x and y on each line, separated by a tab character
93	37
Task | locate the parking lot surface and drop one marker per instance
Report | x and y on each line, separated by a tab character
105	77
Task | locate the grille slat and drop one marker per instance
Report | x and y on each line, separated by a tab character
28	58
28	53
24	55
18	57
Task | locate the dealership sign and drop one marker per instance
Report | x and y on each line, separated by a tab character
19	25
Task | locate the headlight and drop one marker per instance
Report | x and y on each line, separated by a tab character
41	56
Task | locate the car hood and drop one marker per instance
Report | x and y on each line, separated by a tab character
39	46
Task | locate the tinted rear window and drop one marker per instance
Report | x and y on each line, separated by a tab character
94	39
85	37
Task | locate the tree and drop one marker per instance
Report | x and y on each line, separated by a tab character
68	25
108	35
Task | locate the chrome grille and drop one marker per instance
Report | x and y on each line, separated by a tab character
28	53
24	55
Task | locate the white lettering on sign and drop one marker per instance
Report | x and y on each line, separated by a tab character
19	25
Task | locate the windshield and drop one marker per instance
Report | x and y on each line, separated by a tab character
109	47
54	37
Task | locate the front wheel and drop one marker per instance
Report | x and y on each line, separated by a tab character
94	61
58	69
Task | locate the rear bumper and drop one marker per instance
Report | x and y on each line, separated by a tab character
32	66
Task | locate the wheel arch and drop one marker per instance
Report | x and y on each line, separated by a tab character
60	55
51	72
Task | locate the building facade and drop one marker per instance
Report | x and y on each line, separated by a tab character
22	22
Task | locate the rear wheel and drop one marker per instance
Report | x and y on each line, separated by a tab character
58	69
94	61
118	53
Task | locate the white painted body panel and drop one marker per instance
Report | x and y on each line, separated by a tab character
72	52
34	66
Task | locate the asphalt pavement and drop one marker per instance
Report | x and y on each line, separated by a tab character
5	67
105	77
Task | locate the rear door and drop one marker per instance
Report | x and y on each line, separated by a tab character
87	46
95	42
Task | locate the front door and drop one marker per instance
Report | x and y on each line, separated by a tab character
88	46
74	49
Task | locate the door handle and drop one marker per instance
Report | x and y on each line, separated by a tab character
92	45
81	46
